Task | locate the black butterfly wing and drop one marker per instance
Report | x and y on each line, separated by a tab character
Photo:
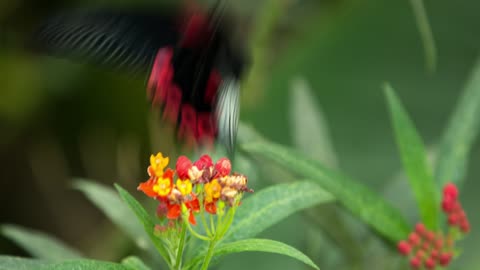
131	41
115	39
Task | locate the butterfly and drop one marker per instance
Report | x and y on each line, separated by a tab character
190	63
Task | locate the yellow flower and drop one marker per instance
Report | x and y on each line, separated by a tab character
212	191
163	187
158	163
185	186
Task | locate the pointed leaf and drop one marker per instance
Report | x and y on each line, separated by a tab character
414	159
145	219
426	34
263	245
38	244
134	263
83	265
107	200
460	133
272	204
359	199
17	263
308	125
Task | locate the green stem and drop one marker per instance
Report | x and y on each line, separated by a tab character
209	256
228	221
212	225
204	222
181	246
194	233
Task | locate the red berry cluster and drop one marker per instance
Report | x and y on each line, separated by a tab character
453	209
428	249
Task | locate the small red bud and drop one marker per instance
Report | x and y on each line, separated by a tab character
430	263
434	254
420	254
450	190
457	206
461	215
430	236
444	258
415	262
414	239
426	246
404	248
448	204
453	219
420	228
465	226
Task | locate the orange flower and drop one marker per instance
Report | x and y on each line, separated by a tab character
211	208
147	187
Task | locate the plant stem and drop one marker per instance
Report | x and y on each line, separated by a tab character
194	233
212	225
209	256
181	246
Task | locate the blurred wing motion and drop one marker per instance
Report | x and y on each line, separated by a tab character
186	57
228	112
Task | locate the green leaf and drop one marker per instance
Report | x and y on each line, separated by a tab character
134	263
17	263
145	219
414	159
309	127
363	202
426	34
39	244
107	200
460	133
83	265
272	204
263	245
246	133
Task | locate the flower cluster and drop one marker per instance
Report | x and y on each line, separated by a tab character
453	209
427	248
199	186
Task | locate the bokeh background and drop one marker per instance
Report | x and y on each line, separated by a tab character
60	120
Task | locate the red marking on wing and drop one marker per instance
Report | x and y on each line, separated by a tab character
212	86
206	128
188	122
160	80
195	26
172	105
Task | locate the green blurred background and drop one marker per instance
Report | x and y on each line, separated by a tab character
60	120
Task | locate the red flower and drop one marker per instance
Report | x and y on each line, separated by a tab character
182	167
203	162
223	167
